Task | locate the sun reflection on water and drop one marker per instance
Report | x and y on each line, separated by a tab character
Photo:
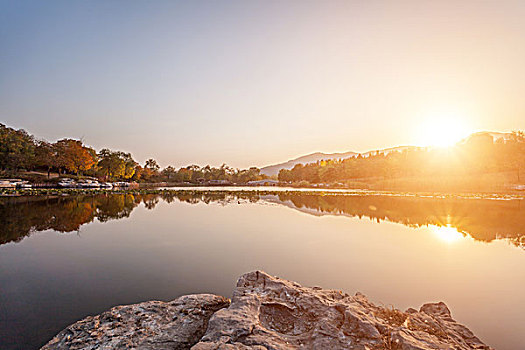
447	233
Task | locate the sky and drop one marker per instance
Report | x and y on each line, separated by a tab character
252	83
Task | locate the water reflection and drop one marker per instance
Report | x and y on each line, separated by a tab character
195	242
447	233
20	216
449	218
483	219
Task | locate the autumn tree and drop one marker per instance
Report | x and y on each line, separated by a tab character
74	156
138	171
130	165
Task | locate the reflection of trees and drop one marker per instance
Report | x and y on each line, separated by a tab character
150	201
19	217
483	219
194	197
115	206
71	215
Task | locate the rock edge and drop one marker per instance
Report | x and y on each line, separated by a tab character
268	313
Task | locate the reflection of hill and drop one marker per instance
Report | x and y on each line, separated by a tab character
482	219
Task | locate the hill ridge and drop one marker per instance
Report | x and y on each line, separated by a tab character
318	156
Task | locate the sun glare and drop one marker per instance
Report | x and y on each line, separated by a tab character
447	233
443	130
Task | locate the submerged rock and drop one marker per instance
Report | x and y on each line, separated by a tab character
268	313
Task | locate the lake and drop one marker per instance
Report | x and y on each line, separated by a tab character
65	257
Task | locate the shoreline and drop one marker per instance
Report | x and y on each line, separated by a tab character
8	192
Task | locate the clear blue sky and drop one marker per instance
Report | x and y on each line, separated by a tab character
259	82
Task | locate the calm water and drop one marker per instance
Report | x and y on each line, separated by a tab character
63	258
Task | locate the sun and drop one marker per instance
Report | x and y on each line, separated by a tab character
442	130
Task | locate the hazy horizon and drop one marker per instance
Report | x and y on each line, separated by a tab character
258	83
265	165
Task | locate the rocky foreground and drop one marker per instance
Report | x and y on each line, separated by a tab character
268	313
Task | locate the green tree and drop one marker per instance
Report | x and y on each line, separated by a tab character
169	172
17	148
285	175
152	165
116	164
45	156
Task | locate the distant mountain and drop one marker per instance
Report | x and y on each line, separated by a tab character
309	158
318	156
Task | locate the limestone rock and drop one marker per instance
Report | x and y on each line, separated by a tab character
177	324
271	313
268	313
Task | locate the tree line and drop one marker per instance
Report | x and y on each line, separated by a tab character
20	151
477	155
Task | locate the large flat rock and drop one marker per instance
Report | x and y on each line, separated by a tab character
177	324
269	313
